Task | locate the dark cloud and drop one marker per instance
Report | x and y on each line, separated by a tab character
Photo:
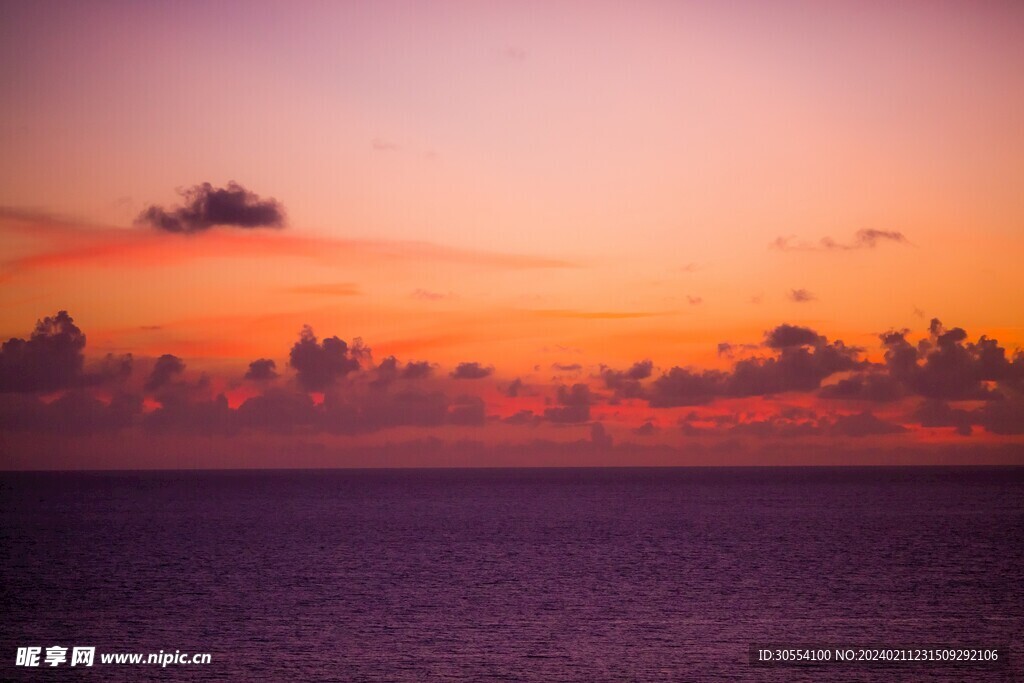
1003	417
796	426
383	410
573	404
864	424
947	367
639	370
514	387
776	427
796	368
166	369
900	354
627	383
285	411
50	359
319	365
786	335
110	368
599	436
180	414
120	412
800	296
278	410
934	413
804	359
576	395
471	371
798	413
683	387
522	417
386	373
206	206
389	370
73	414
262	370
863	387
417	370
646	429
467	410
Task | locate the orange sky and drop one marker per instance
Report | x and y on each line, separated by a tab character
523	185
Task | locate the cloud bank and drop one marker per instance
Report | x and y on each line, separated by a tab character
795	386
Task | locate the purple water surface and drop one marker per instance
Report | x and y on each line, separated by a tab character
533	575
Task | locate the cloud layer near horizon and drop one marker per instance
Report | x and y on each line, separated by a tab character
794	386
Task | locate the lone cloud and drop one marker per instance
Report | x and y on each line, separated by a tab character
206	206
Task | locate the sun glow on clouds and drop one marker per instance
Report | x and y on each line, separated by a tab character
795	388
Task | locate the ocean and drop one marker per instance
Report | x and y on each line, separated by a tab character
511	574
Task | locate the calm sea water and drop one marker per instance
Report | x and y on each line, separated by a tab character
536	575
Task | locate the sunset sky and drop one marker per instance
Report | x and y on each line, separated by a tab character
586	232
